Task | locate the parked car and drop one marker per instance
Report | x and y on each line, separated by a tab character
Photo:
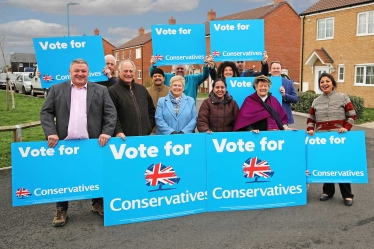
12	79
36	86
23	83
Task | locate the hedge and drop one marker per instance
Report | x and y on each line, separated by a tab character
306	100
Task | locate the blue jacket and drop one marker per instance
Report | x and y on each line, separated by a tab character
192	83
290	97
167	121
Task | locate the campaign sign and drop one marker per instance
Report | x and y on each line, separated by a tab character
178	44
336	158
54	55
255	171
72	170
154	177
237	40
242	87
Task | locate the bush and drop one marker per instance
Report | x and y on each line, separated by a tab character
358	104
306	100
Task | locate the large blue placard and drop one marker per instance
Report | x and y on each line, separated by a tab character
254	171
178	44
154	177
337	158
70	171
237	40
242	87
54	55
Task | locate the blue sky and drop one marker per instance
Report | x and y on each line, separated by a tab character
117	20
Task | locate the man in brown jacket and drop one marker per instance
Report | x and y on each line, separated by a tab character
158	89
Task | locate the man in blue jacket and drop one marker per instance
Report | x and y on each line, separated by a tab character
193	81
287	89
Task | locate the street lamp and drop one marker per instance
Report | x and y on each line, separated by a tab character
67	7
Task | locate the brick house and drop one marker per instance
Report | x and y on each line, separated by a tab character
281	23
107	46
338	38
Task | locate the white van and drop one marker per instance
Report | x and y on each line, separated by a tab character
36	86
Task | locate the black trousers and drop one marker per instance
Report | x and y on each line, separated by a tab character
345	189
65	204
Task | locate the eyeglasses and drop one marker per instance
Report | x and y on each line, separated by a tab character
240	61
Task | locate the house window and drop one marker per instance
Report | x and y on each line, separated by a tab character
116	55
341	71
365	23
364	75
130	54
139	74
138	53
123	54
325	29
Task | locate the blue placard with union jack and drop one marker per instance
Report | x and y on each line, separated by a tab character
154	177
237	40
45	175
254	171
334	157
178	44
54	55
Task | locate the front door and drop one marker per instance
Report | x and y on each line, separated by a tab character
317	73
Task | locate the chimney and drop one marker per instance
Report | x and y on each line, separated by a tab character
278	1
172	20
96	31
211	15
141	31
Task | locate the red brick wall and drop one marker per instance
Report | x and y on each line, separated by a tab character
108	48
283	39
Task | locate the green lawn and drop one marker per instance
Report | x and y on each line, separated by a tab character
367	117
27	110
203	95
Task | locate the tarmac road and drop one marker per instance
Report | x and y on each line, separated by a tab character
318	225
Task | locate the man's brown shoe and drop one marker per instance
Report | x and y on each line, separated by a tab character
98	208
60	217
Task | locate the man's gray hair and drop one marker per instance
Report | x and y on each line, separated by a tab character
185	67
78	61
132	63
110	56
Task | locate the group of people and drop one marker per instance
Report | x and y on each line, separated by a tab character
80	109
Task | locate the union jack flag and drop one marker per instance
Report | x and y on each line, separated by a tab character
256	168
159	57
23	193
47	78
159	174
216	53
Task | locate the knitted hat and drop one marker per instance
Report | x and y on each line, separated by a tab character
159	71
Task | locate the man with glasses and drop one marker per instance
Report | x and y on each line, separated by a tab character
251	73
192	81
108	71
135	109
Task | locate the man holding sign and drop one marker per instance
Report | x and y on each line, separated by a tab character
82	110
193	81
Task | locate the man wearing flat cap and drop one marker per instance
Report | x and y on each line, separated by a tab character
158	88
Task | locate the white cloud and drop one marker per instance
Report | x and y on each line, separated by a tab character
106	7
124	34
18	35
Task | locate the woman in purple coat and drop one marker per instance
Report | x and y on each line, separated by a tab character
261	111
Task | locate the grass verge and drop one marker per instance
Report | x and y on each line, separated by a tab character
27	110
